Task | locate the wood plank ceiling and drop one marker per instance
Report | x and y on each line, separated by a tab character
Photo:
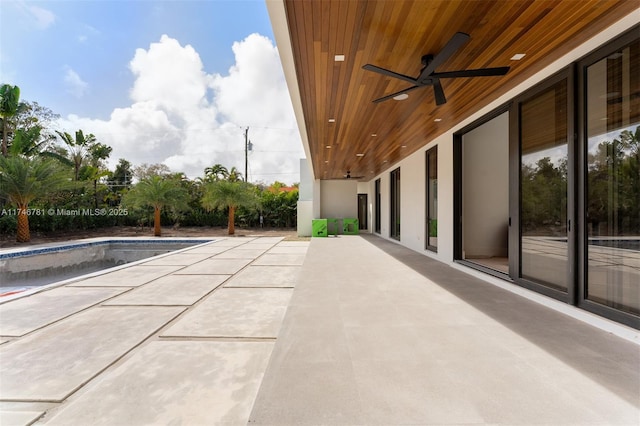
395	35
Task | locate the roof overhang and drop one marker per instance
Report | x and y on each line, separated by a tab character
343	130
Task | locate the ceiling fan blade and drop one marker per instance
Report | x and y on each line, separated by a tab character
449	49
481	72
384	98
388	73
439	93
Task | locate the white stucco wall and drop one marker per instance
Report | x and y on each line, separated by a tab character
339	198
304	217
305	190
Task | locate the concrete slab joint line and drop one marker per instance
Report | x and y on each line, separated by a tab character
53	363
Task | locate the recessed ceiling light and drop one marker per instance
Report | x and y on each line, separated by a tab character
438	119
359	155
328	146
338	58
518	56
374	134
326	161
332	120
401	97
403	146
385	161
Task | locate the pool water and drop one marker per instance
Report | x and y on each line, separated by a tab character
29	269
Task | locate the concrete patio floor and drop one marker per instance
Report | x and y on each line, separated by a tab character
354	330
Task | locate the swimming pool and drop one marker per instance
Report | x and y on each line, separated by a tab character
23	269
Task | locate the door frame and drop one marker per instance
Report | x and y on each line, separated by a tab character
515	229
458	209
362	220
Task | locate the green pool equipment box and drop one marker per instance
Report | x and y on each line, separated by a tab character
333	226
350	226
319	227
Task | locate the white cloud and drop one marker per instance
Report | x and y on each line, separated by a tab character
43	18
75	85
188	119
87	31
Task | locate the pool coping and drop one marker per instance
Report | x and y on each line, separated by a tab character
88	242
75	244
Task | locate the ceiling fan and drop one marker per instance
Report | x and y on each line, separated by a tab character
428	76
348	176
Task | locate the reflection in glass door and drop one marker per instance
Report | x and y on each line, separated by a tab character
395	204
613	179
543	185
432	199
378	208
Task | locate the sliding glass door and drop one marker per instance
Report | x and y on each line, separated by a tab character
432	198
395	204
612	169
573	185
543	179
378	208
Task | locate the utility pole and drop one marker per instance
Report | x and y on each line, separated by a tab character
248	146
246	152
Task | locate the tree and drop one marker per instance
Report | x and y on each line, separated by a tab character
31	114
157	192
9	106
145	170
279	205
96	169
226	194
122	176
234	175
78	148
215	172
28	142
23	180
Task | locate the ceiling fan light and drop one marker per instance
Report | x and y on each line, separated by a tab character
401	97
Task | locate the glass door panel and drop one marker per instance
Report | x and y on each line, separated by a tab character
378	208
613	180
543	187
432	199
395	204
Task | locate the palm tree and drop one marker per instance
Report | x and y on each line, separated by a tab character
9	105
79	148
215	172
234	175
23	180
28	142
158	192
226	194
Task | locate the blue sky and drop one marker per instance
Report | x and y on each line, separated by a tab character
101	66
